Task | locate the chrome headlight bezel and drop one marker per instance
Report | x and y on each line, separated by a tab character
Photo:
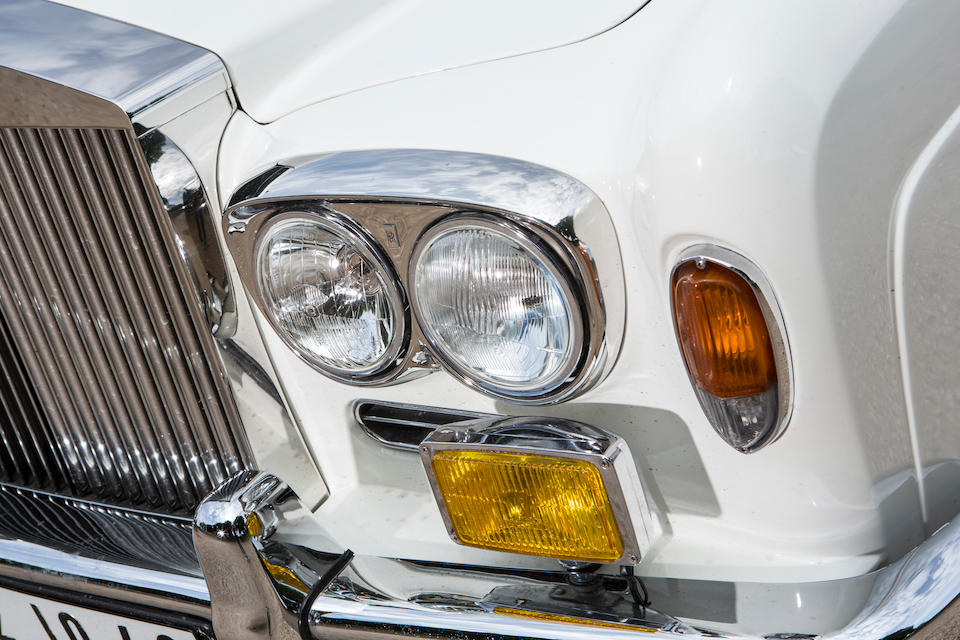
394	196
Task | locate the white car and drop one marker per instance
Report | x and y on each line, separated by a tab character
364	319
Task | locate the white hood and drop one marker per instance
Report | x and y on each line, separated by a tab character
286	54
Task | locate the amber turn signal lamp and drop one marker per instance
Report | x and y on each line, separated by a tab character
731	337
540	486
722	331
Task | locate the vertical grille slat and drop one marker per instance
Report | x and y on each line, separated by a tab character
109	360
165	364
108	388
75	328
177	330
146	362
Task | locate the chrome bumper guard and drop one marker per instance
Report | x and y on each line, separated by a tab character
259	577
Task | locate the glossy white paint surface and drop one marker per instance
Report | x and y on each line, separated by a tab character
782	131
284	55
742	124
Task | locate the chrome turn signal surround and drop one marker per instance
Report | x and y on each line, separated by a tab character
734	345
541	486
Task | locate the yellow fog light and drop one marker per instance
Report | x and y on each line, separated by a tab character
536	505
540	486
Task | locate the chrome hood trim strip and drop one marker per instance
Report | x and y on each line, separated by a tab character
134	68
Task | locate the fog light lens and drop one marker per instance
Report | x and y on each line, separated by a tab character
330	295
529	504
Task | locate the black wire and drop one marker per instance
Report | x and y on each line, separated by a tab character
338	566
638	591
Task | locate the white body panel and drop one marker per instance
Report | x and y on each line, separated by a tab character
781	131
287	55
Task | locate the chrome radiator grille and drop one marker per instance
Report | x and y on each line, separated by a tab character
110	388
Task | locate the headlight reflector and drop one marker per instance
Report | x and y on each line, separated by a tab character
330	295
496	307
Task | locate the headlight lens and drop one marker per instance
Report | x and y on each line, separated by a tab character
496	307
330	295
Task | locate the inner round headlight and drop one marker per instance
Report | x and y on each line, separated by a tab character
496	306
330	295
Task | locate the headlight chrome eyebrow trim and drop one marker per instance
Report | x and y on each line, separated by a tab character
395	194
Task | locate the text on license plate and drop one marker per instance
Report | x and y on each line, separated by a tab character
26	617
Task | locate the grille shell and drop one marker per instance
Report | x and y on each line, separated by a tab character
110	385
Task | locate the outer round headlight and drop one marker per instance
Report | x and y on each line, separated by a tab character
330	294
495	305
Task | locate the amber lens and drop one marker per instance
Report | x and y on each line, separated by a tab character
722	332
537	505
553	617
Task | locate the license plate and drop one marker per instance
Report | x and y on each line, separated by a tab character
27	617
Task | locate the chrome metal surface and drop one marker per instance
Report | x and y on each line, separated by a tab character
568	279
192	219
109	361
252	595
559	438
123	536
43	565
395	352
404	426
134	68
773	316
260	576
396	194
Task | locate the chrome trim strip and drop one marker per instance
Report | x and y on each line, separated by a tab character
415	418
397	193
259	578
192	219
134	68
786	385
41	561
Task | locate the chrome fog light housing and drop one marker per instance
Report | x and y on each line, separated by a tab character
330	294
548	487
498	309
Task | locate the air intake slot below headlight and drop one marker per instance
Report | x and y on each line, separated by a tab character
405	426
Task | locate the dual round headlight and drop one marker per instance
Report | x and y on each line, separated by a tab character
497	308
331	295
492	301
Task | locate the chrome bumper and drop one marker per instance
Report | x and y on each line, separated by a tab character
259	577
